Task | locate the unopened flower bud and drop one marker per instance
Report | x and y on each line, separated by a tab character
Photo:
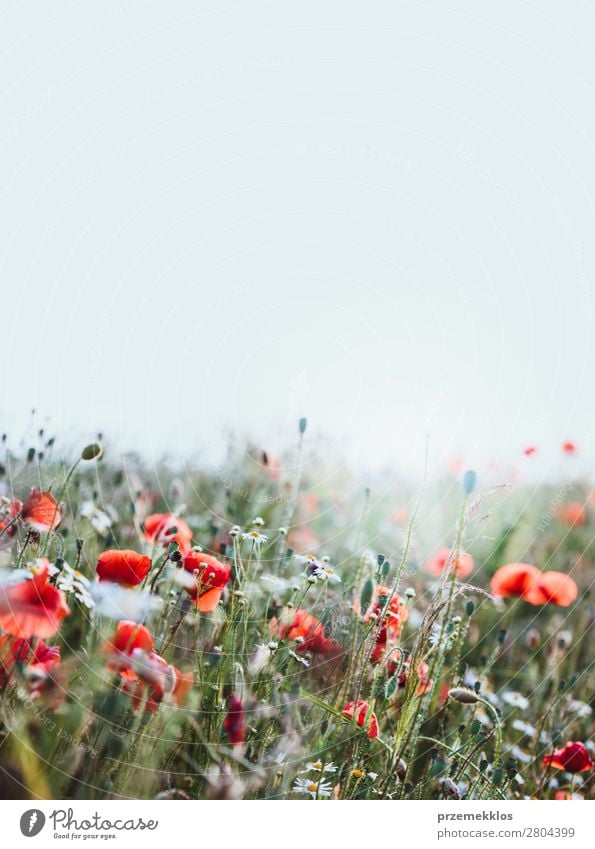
463	695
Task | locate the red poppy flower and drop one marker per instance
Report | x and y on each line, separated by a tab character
183	684
394	610
211	578
360	710
32	607
163	528
568	447
513	579
7	514
529	450
40	512
551	588
235	721
573	757
306	630
129	636
148	678
123	567
424	682
12	651
463	563
572	514
45	658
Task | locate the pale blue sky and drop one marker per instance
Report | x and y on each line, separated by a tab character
376	215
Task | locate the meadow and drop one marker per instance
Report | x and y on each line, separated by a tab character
264	631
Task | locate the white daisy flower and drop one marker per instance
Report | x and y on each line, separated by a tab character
258	521
510	697
325	573
299	659
70	580
100	520
527	729
319	766
259	659
521	755
582	709
306	559
257	539
314	789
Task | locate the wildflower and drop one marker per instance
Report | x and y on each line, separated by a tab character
258	522
41	668
115	601
551	588
306	629
211	576
573	757
123	567
581	709
8	513
70	580
40	512
319	766
184	681
529	451
129	636
569	448
391	607
424	682
235	722
299	659
462	562
527	582
257	539
13	650
325	573
359	711
259	659
32	607
572	514
314	789
524	727
100	520
517	700
163	528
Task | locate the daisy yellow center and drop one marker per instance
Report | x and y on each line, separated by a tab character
312	788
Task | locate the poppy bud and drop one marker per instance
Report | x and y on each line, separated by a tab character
92	451
469	481
450	789
463	695
303	424
366	595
